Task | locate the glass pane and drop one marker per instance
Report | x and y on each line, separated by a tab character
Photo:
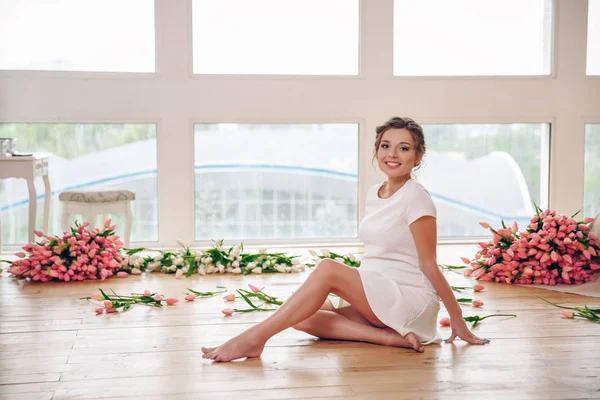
485	172
593	38
77	35
302	37
84	156
292	181
591	188
472	37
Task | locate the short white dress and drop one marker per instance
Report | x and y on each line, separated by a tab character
398	292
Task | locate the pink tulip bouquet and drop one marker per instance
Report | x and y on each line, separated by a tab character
553	249
76	256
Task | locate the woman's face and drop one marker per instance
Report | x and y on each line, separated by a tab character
397	153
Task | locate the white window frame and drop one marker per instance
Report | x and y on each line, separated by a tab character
174	99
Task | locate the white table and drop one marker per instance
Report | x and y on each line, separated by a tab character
29	168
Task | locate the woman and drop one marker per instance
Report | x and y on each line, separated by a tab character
393	296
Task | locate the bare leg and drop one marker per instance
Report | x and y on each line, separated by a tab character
328	277
333	325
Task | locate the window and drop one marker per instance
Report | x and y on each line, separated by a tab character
302	37
591	186
485	172
472	37
85	156
593	38
77	35
276	181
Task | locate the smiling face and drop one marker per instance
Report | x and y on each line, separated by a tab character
397	154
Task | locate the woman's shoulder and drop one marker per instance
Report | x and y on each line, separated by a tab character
417	190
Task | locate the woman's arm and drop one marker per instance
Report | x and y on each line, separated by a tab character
424	232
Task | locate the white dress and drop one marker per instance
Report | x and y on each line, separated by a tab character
398	292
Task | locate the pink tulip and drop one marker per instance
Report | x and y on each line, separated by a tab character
110	310
445	321
122	274
190	297
465	260
478	288
38	233
253	288
147	293
227	311
99	310
230	297
171	301
568	313
158	297
96	296
108	303
20	254
467	272
477	303
107	223
515	227
484	225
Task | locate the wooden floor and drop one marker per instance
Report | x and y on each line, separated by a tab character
53	346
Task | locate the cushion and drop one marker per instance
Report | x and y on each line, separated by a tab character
96	196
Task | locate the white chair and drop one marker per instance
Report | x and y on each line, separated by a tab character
91	203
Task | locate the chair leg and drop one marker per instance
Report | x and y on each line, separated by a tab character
128	223
65	217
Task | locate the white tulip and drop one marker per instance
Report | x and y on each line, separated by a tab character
207	260
198	258
221	268
262	251
235	264
266	264
238	258
288	269
158	257
313	253
178	273
325	253
172	268
180	242
178	261
339	259
211	269
251	265
297	268
257	270
124	262
202	271
296	261
136	271
351	257
280	268
185	270
219	244
203	252
236	271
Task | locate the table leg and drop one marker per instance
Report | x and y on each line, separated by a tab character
32	208
47	202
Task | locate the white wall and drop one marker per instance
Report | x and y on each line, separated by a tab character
174	98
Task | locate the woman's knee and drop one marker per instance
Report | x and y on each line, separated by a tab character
327	268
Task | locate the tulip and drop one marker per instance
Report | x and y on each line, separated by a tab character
190	297
477	303
253	288
230	297
172	301
158	297
568	313
122	274
478	288
227	311
445	321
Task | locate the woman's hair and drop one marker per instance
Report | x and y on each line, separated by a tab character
402	123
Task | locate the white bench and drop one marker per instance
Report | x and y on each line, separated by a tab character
91	203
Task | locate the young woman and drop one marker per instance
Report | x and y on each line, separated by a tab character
394	295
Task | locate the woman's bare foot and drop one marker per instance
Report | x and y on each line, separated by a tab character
397	340
238	347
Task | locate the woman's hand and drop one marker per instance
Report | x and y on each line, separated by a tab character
460	329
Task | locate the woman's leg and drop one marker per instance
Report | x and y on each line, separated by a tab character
348	324
328	277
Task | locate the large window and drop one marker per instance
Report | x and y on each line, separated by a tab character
591	187
85	156
485	172
276	181
593	38
472	37
301	37
77	35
